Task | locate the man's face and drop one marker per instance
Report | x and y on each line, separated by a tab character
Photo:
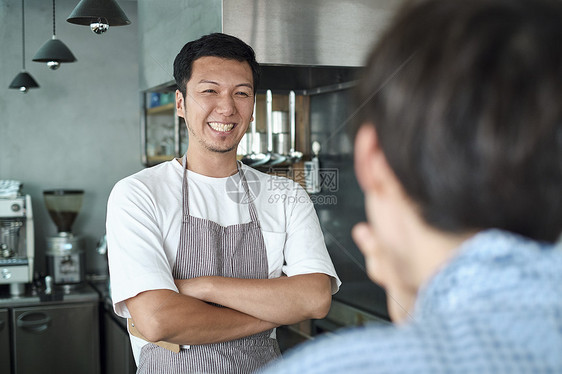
388	256
218	105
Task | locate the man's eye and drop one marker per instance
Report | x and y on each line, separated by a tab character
210	90
243	94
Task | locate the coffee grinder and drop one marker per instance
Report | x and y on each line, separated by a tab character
65	253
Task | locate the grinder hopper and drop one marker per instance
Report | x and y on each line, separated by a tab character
63	207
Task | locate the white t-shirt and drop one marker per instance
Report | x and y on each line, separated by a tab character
144	221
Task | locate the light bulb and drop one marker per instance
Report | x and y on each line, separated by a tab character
100	26
23	89
53	65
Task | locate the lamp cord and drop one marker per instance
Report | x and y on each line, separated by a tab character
23	34
54	18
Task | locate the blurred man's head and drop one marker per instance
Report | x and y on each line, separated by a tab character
460	129
465	97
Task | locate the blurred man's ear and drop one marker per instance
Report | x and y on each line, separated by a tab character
368	157
374	174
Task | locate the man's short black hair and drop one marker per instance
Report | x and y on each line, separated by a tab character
466	99
217	45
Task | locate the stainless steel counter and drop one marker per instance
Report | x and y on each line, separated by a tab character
83	293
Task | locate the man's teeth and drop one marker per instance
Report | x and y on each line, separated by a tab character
224	127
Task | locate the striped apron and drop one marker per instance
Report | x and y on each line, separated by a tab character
207	248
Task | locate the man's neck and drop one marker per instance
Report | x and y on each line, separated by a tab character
216	165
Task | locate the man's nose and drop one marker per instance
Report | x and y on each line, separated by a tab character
226	105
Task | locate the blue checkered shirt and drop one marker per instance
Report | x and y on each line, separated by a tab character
495	308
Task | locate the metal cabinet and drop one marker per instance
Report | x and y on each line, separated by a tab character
57	339
117	348
5	359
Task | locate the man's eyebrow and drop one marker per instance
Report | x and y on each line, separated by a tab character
208	81
249	85
245	85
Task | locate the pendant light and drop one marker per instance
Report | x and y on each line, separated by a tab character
98	14
53	52
23	81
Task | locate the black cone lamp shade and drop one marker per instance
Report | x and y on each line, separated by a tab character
98	14
53	52
23	82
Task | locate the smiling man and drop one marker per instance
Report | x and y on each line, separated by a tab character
203	274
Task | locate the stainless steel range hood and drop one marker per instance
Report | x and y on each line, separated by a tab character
310	32
302	44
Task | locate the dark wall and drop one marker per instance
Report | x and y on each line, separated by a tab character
340	204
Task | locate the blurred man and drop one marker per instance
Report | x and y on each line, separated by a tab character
459	154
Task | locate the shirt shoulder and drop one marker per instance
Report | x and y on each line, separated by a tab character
486	343
380	349
154	181
495	270
152	176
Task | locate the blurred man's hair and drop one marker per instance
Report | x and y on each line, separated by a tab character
466	99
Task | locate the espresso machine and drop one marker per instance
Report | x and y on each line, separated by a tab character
65	252
16	243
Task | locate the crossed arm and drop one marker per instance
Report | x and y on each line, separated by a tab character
251	306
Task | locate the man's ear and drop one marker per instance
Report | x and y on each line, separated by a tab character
180	105
371	166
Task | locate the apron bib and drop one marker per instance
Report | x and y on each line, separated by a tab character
207	248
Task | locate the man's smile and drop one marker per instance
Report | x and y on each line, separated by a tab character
221	127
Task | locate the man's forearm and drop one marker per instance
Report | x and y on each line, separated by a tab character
168	316
284	300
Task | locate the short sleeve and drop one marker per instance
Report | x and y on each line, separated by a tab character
137	260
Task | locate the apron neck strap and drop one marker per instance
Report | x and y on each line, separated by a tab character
184	189
250	197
